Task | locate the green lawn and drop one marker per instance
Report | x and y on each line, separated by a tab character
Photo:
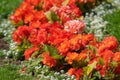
7	6
10	72
113	27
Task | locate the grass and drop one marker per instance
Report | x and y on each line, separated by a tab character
9	72
8	6
113	27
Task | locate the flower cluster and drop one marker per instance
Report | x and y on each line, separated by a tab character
53	31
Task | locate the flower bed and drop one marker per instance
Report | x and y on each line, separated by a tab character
52	33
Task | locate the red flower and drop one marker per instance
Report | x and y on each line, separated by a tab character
72	56
38	37
57	35
117	70
64	48
50	3
87	38
48	60
16	37
76	42
107	56
116	57
77	72
83	54
20	13
35	24
33	2
28	17
22	32
40	15
110	43
29	52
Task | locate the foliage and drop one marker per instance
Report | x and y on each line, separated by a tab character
94	20
54	36
40	71
113	25
9	72
8	6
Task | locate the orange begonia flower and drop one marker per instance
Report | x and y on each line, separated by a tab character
76	42
33	2
110	43
87	38
116	57
38	37
29	52
107	56
48	60
16	37
77	72
83	54
35	24
64	48
117	70
22	32
71	56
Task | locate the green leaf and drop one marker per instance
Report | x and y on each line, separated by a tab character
114	64
81	63
89	68
93	48
35	54
97	74
39	7
36	61
48	15
52	16
53	51
101	61
20	23
65	2
110	1
109	77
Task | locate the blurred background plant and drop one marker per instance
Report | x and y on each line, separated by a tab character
113	26
7	7
94	20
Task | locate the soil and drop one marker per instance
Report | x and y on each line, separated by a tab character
3	44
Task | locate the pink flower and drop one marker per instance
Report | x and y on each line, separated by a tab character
74	26
69	12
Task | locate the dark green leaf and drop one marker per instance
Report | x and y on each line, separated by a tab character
93	48
97	75
101	61
53	51
18	24
52	16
